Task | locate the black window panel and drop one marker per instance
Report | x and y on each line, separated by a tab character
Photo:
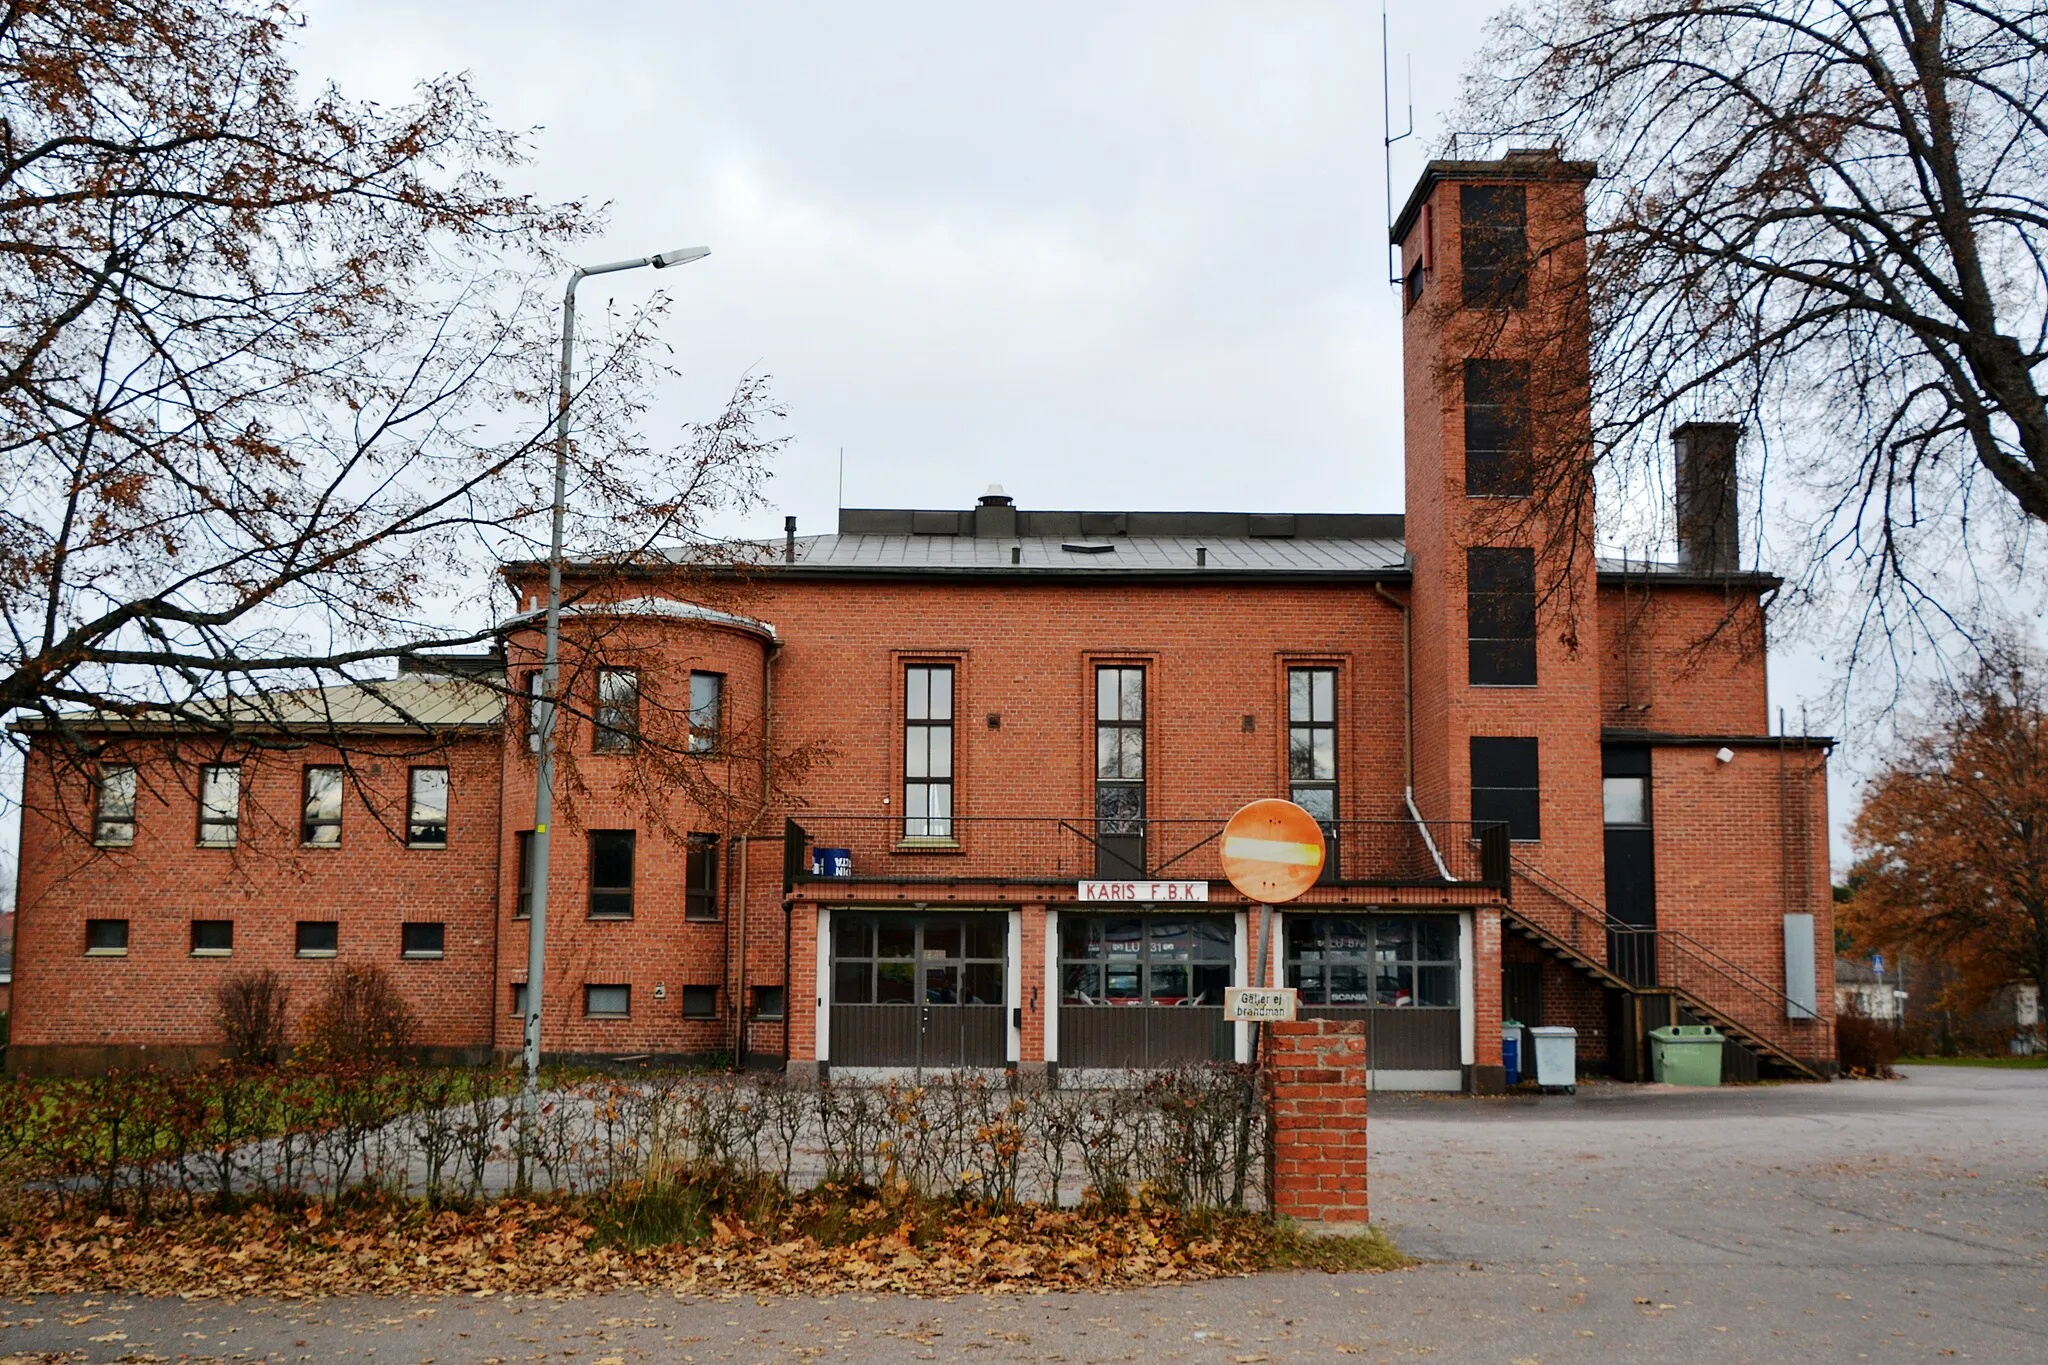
320	826
1497	428
317	938
700	877
522	905
618	711
611	873
426	818
422	940
1146	959
700	1002
768	1002
1500	606
107	937
114	808
1505	785
213	935
1415	285
1493	245
519	998
1377	960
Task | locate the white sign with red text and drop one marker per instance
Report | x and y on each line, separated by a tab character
1141	892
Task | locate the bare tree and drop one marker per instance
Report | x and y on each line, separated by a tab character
275	379
1827	219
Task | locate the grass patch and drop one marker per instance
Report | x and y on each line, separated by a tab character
2001	1063
1292	1248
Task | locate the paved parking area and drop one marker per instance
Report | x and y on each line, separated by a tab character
1857	1221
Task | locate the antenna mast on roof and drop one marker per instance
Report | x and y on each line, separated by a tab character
1389	137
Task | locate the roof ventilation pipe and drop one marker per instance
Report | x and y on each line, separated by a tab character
995	516
1709	527
789	540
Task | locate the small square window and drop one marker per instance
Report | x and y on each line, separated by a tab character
106	938
422	940
608	1002
113	823
426	820
213	937
768	1002
317	938
700	1002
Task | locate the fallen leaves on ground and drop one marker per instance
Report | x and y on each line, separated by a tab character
538	1247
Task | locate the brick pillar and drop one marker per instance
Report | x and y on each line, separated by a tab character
1316	1075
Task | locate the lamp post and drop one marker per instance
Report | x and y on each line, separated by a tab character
544	778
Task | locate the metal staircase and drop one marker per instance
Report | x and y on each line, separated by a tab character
1677	967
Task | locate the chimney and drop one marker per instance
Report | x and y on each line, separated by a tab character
1709	531
996	514
789	540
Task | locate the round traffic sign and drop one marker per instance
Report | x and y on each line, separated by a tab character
1272	851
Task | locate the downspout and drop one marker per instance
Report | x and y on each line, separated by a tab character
746	855
1408	727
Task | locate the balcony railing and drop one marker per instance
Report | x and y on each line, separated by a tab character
1048	851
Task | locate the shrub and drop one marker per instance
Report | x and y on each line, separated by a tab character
1865	1046
250	1009
360	1019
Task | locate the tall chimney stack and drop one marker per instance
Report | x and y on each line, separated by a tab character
789	540
1709	528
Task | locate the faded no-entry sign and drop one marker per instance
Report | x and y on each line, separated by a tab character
1272	851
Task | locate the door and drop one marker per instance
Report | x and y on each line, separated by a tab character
1399	973
1631	865
919	991
1145	990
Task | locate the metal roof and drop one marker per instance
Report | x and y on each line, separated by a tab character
411	702
1097	555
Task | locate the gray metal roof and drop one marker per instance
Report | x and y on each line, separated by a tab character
409	702
1107	556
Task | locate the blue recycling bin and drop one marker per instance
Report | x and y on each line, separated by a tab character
831	862
1511	1050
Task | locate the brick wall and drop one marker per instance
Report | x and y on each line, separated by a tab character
1316	1071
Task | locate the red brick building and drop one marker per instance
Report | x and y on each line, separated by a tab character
950	783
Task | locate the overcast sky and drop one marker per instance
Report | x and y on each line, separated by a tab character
1107	254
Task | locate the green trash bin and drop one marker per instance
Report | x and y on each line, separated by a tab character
1686	1054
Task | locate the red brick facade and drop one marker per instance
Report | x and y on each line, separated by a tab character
1317	1071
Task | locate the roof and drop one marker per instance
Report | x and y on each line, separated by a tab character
1532	164
1096	556
666	607
409	702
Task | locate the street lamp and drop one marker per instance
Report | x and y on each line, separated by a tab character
544	779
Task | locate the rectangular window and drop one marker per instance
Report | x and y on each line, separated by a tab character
321	825
536	709
1403	961
317	938
618	711
220	805
608	1002
1497	429
928	751
106	938
113	822
1493	245
1312	751
522	905
422	940
700	1002
707	712
1500	617
519	999
426	819
768	1002
611	874
1625	800
1120	771
1505	786
213	937
1146	959
1416	280
700	877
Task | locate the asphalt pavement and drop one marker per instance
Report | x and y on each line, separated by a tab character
1863	1220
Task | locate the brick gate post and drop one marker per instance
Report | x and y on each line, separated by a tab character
1315	1075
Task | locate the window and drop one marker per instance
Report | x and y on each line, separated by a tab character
1146	959
321	825
220	805
1497	429
1363	960
1494	245
1505	787
522	906
113	819
213	937
1416	280
317	938
768	1002
519	999
1625	800
422	940
928	751
608	1002
700	877
899	959
707	711
1500	617
106	938
1312	741
536	709
618	711
700	1002
426	819
1120	771
611	874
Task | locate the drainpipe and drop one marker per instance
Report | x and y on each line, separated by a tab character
1408	726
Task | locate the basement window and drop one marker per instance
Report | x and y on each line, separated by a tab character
106	938
213	937
608	1002
422	940
317	938
700	1002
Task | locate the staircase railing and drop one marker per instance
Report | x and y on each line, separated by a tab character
1707	982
